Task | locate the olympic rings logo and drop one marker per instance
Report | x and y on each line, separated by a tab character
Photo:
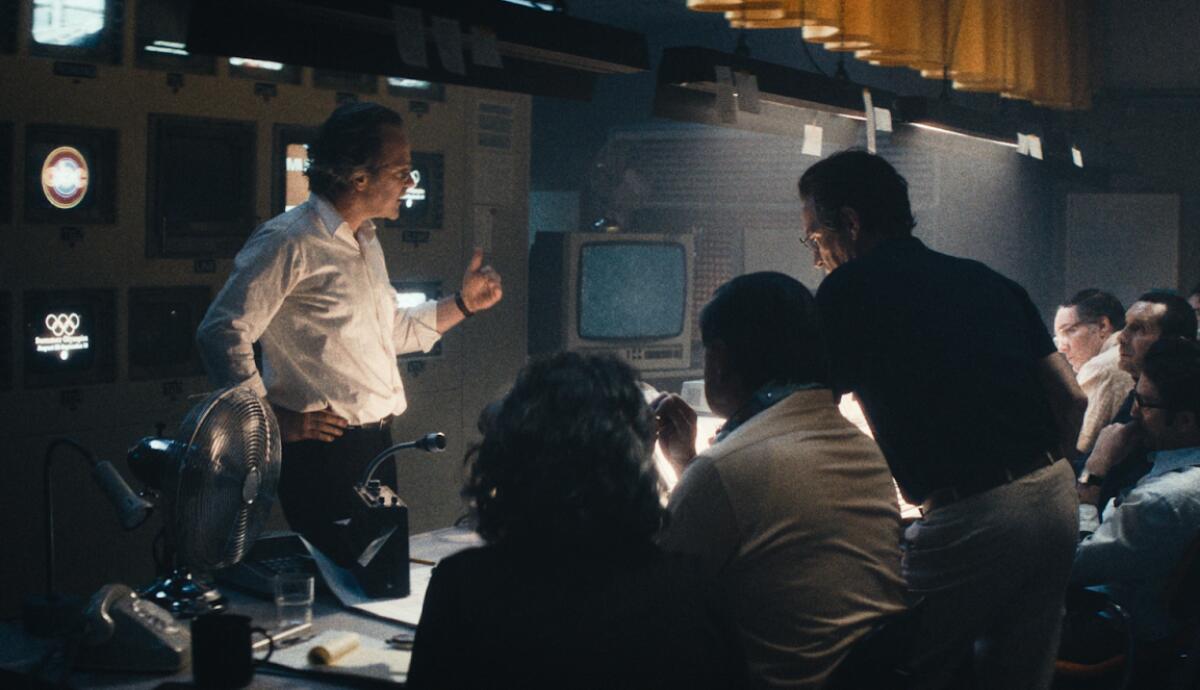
62	324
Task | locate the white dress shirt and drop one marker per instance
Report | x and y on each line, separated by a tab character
314	292
1106	386
1134	551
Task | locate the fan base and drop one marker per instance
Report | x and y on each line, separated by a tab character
185	595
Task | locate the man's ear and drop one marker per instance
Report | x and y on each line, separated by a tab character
1106	326
359	180
851	222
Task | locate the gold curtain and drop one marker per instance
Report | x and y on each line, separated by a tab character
1035	50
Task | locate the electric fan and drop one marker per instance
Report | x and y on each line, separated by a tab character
217	480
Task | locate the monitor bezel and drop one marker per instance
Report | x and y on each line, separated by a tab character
436	194
190	64
197	296
624	241
7	175
103	302
7	331
102	210
164	241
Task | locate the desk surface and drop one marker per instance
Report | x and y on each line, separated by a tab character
19	651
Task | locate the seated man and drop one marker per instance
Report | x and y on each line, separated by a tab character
793	509
1141	540
1086	329
1154	316
570	591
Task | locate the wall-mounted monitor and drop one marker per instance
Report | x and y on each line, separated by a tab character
161	35
6	172
77	29
422	205
352	82
200	186
289	160
8	26
624	294
6	340
263	70
69	337
162	331
70	175
410	293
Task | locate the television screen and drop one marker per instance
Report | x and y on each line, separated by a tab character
69	337
6	171
77	29
70	174
632	290
162	331
200	186
263	70
289	161
162	38
422	205
8	26
6	333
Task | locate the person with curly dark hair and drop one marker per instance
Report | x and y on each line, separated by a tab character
570	590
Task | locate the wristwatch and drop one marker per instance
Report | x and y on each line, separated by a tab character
1088	479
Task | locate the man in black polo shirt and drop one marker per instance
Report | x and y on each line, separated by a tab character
972	407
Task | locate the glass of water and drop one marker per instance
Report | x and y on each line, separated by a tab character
293	598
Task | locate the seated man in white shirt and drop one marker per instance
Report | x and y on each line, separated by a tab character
311	287
1133	550
1086	330
793	509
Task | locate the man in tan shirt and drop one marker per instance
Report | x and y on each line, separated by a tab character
792	509
1086	330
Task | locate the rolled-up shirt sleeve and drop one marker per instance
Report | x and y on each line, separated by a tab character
264	272
1141	529
415	328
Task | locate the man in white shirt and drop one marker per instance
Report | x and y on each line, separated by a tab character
1136	547
1086	329
311	287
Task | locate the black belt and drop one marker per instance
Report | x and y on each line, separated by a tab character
371	426
985	481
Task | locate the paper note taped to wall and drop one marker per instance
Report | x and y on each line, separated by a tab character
812	140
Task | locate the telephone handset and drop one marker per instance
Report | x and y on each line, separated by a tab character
124	632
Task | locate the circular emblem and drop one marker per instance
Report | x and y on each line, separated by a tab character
65	177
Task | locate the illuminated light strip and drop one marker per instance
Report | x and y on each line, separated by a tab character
402	83
943	130
256	64
165	49
545	7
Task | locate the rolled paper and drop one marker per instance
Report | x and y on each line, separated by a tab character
332	649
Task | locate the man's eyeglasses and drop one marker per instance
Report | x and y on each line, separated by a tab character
813	241
1148	404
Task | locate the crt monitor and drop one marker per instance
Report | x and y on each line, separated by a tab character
69	337
70	175
625	294
162	331
201	184
421	208
77	29
289	184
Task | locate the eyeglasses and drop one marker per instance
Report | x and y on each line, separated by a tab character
812	241
1148	405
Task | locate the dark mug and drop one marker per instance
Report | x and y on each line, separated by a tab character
222	655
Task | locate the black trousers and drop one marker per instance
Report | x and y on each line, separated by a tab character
316	484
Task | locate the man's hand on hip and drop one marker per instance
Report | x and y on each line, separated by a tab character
318	425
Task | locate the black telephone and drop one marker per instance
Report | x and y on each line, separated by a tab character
127	633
